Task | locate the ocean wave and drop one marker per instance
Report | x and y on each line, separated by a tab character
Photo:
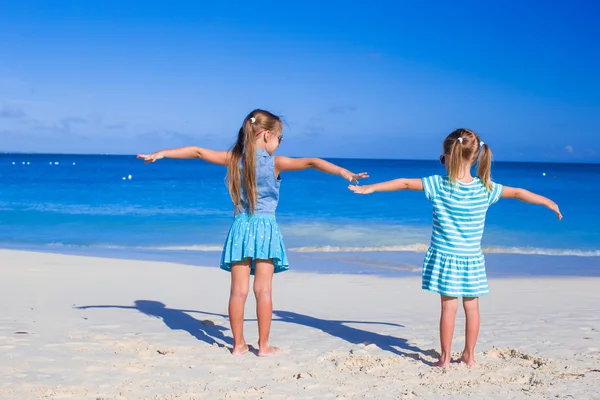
196	247
416	247
112	210
365	249
420	247
541	251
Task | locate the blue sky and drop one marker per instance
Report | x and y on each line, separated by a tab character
377	79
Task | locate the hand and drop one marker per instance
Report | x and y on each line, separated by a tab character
368	189
554	207
150	158
352	177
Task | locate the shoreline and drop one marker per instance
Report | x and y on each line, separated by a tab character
88	327
383	264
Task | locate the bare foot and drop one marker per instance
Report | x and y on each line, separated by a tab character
239	349
267	351
468	359
444	360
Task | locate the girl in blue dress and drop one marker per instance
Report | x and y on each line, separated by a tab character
454	265
254	245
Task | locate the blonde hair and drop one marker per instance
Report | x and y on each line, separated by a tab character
243	148
465	146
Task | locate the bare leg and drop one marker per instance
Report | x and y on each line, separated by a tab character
263	290
449	307
471	306
240	280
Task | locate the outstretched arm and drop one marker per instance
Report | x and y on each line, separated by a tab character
389	186
283	164
211	156
532	198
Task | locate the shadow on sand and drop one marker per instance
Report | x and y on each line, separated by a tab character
210	333
175	319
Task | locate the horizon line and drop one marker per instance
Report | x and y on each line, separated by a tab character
330	158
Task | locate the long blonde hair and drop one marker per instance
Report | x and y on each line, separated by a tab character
243	148
465	146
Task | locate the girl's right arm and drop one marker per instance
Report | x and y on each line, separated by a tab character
532	198
211	156
283	164
389	186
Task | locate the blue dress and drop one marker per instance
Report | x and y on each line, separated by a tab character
454	265
257	236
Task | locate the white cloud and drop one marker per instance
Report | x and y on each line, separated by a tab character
10	111
342	109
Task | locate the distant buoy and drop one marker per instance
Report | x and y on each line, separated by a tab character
124	178
544	174
13	163
73	163
23	163
28	163
50	163
129	177
56	163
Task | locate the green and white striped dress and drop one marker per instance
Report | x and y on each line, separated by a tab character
454	265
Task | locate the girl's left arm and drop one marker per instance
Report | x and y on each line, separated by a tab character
389	186
531	198
283	164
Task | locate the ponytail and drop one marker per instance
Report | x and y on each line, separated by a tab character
244	152
250	165
484	166
243	149
455	160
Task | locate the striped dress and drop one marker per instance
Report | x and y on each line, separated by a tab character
454	265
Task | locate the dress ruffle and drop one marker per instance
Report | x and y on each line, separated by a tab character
454	276
256	237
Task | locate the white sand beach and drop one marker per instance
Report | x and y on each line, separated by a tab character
92	328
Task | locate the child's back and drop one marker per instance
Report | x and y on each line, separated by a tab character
267	186
459	211
454	265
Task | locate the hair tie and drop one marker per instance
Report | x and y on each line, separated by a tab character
252	120
481	143
261	131
459	140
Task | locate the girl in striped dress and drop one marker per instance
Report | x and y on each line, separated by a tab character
254	245
454	265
